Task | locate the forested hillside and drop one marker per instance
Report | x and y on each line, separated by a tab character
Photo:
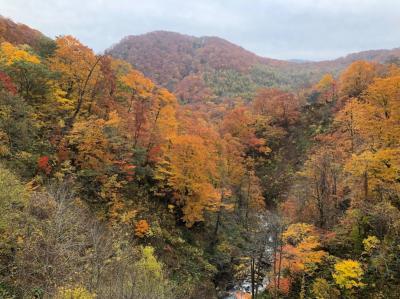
113	186
211	68
21	34
186	64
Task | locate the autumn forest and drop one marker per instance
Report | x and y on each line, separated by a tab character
173	166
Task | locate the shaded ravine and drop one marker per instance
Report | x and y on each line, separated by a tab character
243	288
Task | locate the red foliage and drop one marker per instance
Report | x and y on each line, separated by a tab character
192	89
154	153
43	164
126	168
18	33
7	84
168	57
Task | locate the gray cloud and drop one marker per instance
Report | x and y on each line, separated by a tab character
307	29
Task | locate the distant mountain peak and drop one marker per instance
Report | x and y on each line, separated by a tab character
168	57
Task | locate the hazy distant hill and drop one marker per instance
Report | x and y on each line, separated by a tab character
168	57
189	65
382	55
229	70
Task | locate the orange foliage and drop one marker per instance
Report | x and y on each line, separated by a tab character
242	295
301	250
283	107
240	124
282	285
141	228
356	78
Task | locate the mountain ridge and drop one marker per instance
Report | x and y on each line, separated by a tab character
370	54
18	33
169	57
184	63
28	35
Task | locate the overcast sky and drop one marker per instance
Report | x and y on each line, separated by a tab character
286	29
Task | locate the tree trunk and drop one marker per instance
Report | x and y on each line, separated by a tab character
252	277
366	185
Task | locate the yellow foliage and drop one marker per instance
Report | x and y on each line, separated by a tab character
94	149
384	95
301	250
113	119
58	94
370	244
149	263
74	293
127	216
188	170
78	66
348	274
13	199
4	143
375	134
139	84
11	54
167	123
325	83
381	167
297	232
327	87
109	191
323	290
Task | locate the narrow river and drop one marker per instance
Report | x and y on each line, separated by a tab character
242	288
